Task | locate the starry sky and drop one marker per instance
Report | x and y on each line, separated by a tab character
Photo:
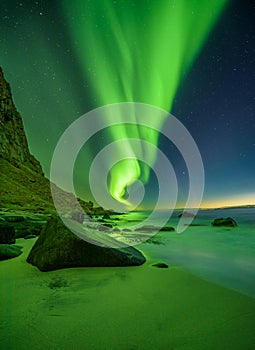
215	100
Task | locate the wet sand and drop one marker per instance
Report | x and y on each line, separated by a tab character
131	308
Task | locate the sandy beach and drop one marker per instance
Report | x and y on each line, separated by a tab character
130	308
127	124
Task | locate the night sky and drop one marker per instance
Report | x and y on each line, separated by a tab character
215	100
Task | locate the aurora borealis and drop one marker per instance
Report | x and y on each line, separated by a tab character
137	63
57	75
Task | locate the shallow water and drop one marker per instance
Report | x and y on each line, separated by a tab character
222	255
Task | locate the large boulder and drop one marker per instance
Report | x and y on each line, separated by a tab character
58	248
224	222
8	251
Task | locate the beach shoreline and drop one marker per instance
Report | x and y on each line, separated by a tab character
119	308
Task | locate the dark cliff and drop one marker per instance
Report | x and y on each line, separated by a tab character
23	185
13	141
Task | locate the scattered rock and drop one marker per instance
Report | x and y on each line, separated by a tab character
58	282
14	218
8	251
154	240
78	216
116	229
27	227
7	234
186	214
106	216
160	265
148	228
58	248
30	236
224	222
93	226
126	230
103	228
167	229
30	230
108	225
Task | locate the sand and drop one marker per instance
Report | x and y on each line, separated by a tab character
131	308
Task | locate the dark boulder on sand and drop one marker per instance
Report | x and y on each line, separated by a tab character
224	222
8	251
58	248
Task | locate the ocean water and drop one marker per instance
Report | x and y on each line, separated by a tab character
223	255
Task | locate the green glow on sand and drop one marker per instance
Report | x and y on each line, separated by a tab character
137	51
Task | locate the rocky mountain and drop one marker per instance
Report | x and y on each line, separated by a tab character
23	185
13	141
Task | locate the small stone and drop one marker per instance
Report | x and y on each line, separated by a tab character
160	265
106	216
167	229
186	214
148	228
103	228
30	236
108	225
224	222
78	216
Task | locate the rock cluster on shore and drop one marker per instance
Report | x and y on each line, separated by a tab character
58	248
26	201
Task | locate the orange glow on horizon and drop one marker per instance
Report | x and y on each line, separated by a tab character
229	201
235	201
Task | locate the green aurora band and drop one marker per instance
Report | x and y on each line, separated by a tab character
137	51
